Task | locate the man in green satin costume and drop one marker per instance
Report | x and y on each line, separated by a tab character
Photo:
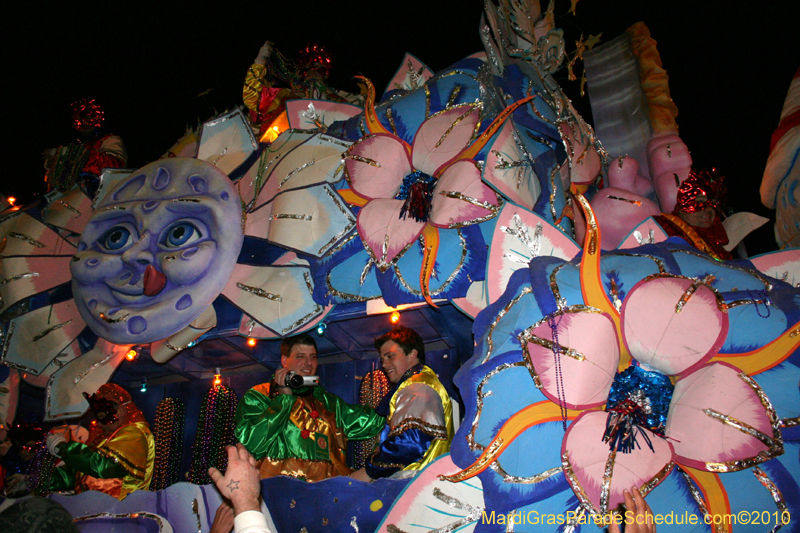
301	432
119	456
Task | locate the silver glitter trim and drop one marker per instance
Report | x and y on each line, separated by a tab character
471	110
572	479
499	317
435	431
493	209
261	293
86	372
108	320
449	279
139	514
607	474
553	212
317	309
382	265
706	281
333	140
18	277
294	172
481	395
338	247
311	115
777	496
364	273
390	118
65	204
351	220
370	162
176	348
657	479
651	237
196	512
343	295
189	200
777	437
50	330
453	96
527	336
520	231
574	520
473	514
6	340
281	216
741	426
508	478
698	499
755	273
657	260
29	240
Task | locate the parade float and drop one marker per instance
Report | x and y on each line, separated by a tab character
605	354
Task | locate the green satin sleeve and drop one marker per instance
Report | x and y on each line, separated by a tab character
358	422
62	479
261	421
84	459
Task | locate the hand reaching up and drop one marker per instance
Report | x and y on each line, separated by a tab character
637	518
241	483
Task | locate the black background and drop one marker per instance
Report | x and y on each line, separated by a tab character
158	67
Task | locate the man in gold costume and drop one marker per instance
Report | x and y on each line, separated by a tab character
418	408
117	459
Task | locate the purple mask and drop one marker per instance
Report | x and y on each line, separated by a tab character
158	250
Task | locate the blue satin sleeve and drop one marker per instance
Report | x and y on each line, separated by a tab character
397	451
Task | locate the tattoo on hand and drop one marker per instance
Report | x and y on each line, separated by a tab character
233	485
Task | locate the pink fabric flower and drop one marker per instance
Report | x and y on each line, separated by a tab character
426	184
719	419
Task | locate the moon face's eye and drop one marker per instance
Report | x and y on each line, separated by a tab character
181	234
116	238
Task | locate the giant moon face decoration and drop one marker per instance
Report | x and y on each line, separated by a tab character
158	250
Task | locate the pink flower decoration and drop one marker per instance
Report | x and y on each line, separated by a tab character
426	184
719	419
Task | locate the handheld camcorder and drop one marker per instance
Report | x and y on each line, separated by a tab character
295	380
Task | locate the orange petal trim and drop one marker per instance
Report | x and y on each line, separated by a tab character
592	289
349	196
537	413
370	116
766	357
714	494
430	242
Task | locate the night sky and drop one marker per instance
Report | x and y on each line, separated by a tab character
158	67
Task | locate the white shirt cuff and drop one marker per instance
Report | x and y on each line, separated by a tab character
250	522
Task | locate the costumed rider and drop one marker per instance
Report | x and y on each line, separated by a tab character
273	79
82	161
299	429
117	459
418	407
697	214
